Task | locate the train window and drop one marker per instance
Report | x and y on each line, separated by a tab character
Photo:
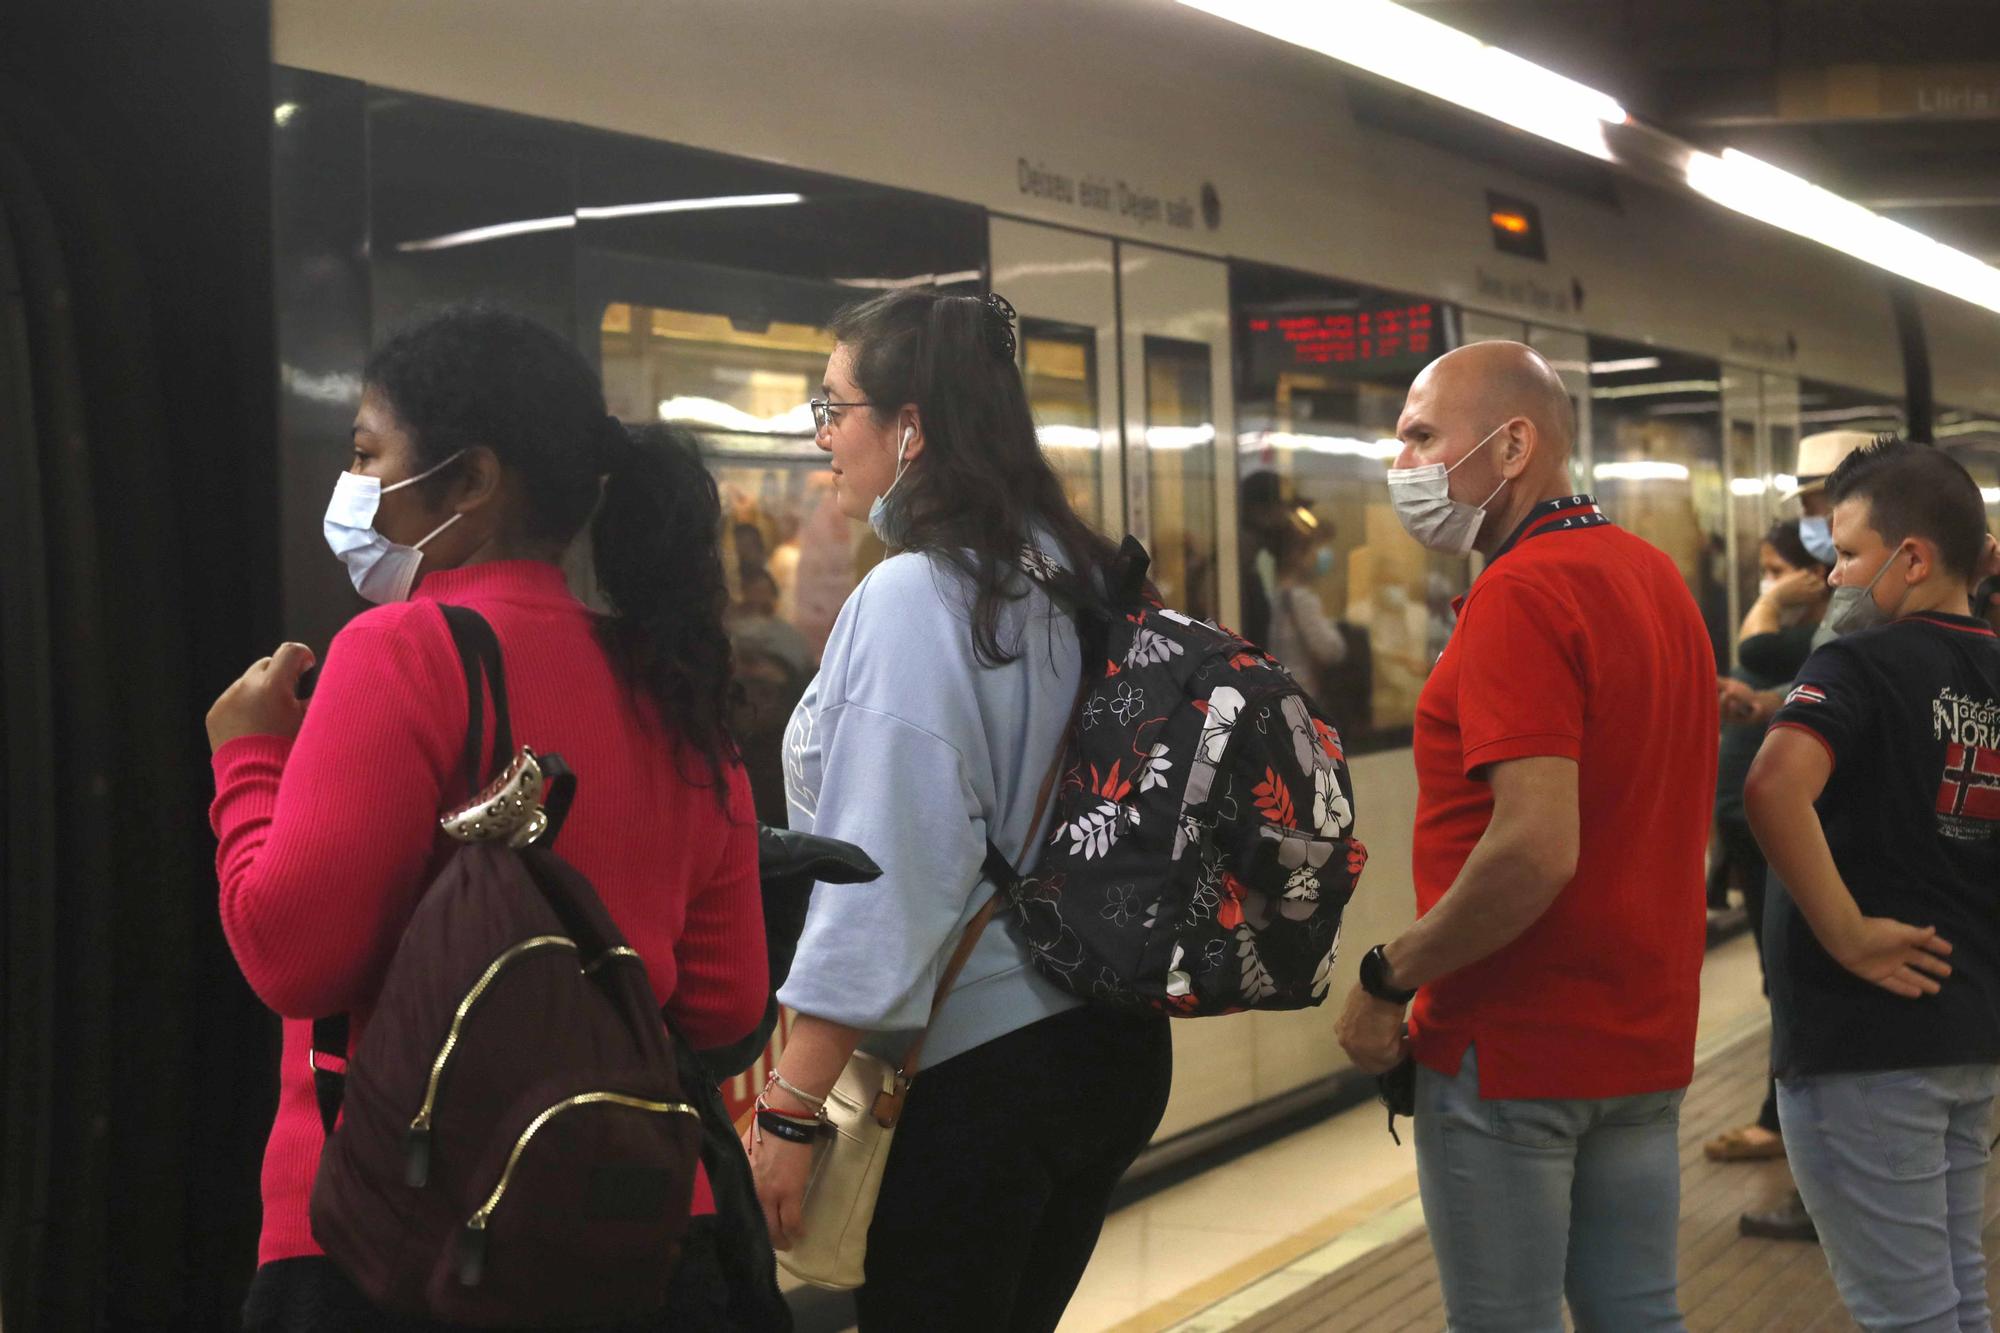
711	282
1320	545
1657	465
1180	462
790	557
1059	370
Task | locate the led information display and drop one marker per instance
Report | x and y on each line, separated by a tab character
1323	340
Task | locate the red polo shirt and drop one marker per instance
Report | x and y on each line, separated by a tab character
1579	640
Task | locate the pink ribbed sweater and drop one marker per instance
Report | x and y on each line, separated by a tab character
327	840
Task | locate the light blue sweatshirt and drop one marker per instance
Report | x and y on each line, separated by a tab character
910	748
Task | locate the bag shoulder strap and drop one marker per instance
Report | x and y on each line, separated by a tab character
913	1054
479	656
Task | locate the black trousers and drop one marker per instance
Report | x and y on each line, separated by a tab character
1003	1165
1739	846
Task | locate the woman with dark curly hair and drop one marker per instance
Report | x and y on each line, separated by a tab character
480	450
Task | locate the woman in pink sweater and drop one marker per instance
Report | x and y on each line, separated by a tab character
481	447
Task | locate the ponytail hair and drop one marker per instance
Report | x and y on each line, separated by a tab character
478	376
656	542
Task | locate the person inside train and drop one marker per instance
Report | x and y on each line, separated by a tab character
1876	797
1773	643
480	450
1555	963
1261	521
934	723
1303	637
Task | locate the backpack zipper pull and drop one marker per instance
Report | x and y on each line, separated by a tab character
472	1252
417	1153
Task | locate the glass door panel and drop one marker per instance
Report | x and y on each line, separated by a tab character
1175	368
1063	285
1180	459
1059	370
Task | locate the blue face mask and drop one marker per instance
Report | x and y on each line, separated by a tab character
1816	532
1323	562
887	523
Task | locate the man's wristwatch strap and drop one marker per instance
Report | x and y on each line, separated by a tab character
1375	978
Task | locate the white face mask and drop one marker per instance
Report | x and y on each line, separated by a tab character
381	570
881	518
1422	497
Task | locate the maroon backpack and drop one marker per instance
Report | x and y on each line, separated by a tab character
514	1144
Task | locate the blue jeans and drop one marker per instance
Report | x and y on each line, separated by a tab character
1892	1167
1529	1200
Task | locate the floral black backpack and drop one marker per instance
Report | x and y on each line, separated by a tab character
1201	854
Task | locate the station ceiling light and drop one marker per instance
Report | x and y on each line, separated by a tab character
1391	42
1770	194
593	213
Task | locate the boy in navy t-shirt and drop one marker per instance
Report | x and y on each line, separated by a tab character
1876	796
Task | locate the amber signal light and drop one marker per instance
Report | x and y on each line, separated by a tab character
1516	225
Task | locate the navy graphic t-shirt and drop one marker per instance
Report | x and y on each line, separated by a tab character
1910	713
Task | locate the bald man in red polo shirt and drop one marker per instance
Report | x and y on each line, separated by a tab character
1565	744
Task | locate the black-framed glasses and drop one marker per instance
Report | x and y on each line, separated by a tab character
823	410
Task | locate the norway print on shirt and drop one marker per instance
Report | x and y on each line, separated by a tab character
1968	799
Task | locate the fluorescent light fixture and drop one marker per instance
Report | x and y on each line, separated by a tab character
1785	483
1393	42
1748	487
609	211
1640	471
528	226
1621	366
1873	411
1769	194
916	280
1068	437
498	231
1657	388
1958	428
282	113
1990	494
1381	450
715	414
1180	437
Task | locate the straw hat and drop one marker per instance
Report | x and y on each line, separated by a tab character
1820	454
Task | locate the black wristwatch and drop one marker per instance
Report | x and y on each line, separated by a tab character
1375	978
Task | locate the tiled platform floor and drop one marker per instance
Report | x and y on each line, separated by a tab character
1728	1282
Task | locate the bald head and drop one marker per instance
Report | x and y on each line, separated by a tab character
1501	411
1493	382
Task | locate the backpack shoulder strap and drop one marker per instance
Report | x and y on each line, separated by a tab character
479	656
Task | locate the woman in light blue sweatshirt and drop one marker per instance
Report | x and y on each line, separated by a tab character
937	714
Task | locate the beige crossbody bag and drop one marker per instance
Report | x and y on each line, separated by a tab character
861	1114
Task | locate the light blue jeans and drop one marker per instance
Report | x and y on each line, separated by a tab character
1892	1167
1530	1200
